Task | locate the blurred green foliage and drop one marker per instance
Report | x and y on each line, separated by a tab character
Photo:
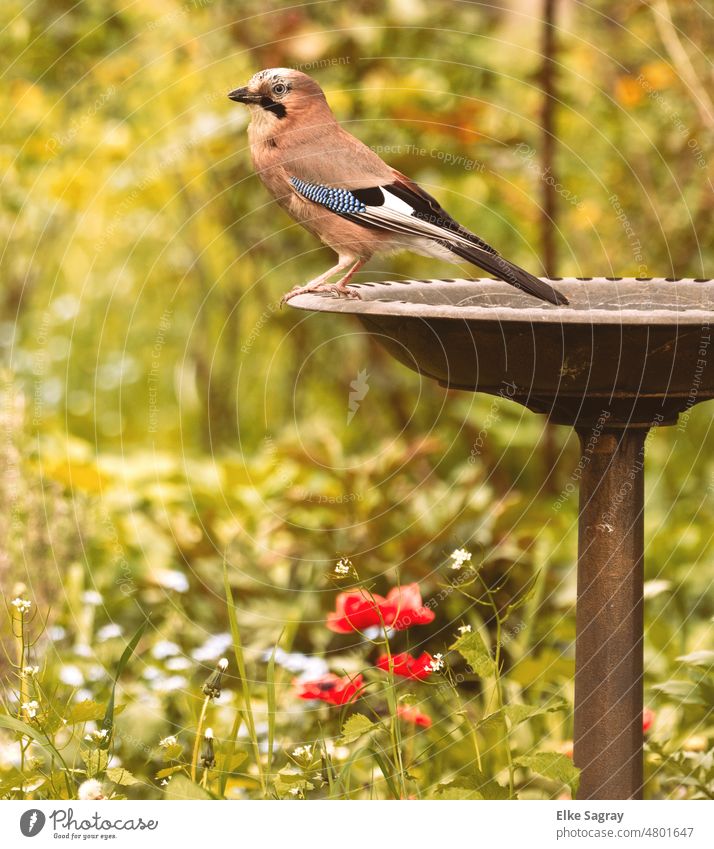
161	413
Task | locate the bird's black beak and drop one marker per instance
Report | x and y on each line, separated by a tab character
242	95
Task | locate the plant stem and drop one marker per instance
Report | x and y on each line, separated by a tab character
394	728
24	696
498	683
197	742
245	685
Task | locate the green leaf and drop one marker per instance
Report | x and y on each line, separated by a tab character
285	781
169	770
704	657
87	711
119	775
705	689
270	690
230	762
495	720
553	765
457	794
170	753
515	714
473	650
76	714
357	725
387	773
473	786
20	727
96	761
683	691
108	721
230	748
181	787
13	779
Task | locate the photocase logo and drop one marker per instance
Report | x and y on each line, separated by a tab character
32	822
359	388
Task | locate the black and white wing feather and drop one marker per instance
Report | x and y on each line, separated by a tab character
402	207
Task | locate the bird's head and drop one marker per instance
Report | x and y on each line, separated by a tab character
279	93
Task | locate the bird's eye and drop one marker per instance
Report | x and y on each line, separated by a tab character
279	89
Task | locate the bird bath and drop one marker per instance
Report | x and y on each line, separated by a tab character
626	355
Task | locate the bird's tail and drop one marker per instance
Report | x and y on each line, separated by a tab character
502	269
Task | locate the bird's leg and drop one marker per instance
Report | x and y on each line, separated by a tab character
340	288
320	284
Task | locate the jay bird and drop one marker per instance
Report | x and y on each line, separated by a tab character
342	192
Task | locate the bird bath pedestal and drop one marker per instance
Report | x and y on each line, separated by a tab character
626	355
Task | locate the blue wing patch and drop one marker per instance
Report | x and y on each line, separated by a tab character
336	200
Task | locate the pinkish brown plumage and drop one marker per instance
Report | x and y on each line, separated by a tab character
340	190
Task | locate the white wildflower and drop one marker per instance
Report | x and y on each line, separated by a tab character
97	735
459	556
308	666
71	675
464	629
96	672
178	664
92	597
165	648
30	671
435	664
22	605
170	683
31	709
343	567
302	752
215	646
108	632
167	742
91	789
172	579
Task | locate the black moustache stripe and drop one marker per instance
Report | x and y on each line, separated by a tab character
271	106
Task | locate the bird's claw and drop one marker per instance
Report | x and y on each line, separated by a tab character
332	288
342	291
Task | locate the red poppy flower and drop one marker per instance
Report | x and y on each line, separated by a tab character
407	666
401	609
330	688
408	607
412	714
356	612
648	718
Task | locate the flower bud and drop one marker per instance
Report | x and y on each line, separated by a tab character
212	687
208	757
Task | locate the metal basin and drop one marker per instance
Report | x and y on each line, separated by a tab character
637	349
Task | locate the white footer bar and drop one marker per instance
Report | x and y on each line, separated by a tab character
304	824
